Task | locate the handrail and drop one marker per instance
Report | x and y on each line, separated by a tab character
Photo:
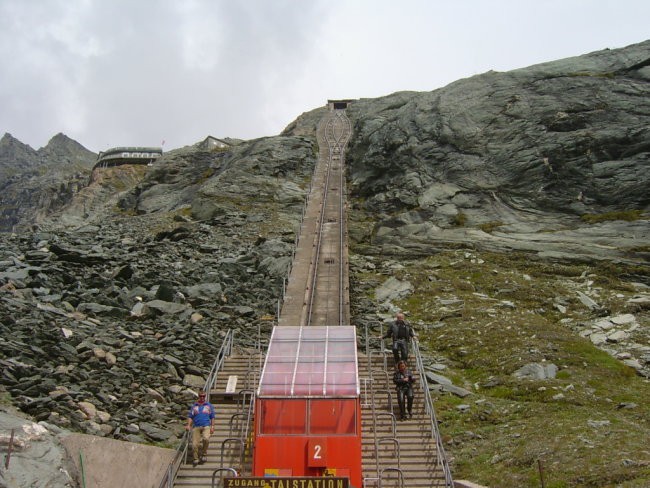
389	395
400	476
395	442
374	426
435	432
224	351
242	450
441	459
181	451
392	419
235	424
230	470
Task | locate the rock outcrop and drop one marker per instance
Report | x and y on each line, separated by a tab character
35	183
526	159
111	318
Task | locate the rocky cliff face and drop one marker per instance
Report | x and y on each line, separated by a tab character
34	183
516	160
118	303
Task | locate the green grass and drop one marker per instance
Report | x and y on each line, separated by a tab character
460	219
488	227
501	316
5	398
628	215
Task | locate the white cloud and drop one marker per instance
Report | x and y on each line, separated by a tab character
130	72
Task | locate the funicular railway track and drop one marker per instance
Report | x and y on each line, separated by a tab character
317	291
312	368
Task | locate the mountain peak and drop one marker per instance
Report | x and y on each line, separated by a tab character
15	153
63	147
61	141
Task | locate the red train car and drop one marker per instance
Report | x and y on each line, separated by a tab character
308	409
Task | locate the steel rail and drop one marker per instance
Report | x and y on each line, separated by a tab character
337	132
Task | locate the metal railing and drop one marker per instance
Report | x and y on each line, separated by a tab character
442	461
224	351
180	456
232	472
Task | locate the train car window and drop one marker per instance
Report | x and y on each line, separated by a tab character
311	361
333	416
288	417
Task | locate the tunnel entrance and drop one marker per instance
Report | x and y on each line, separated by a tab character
338	104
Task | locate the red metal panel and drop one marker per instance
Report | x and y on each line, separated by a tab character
333	417
338	422
283	416
317	452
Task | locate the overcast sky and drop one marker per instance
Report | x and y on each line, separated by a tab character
139	72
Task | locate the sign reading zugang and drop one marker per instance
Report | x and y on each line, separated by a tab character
287	482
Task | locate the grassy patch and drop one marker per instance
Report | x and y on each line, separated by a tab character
485	315
460	219
628	215
488	227
5	398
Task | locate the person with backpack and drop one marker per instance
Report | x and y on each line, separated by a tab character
401	332
403	379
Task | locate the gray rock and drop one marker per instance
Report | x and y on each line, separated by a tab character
393	289
207	291
38	457
456	390
588	302
99	309
438	379
536	371
154	432
623	319
166	307
193	381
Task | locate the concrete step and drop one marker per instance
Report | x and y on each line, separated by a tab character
226	406
417	450
418	455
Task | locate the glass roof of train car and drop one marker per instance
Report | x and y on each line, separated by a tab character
315	361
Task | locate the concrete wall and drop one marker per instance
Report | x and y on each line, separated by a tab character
109	463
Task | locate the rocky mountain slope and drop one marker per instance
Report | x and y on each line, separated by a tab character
534	159
34	183
506	213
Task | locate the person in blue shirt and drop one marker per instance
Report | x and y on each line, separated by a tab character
200	420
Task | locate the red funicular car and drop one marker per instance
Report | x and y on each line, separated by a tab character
308	410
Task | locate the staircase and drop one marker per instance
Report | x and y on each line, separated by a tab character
402	453
229	445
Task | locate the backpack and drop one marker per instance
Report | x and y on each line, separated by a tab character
402	331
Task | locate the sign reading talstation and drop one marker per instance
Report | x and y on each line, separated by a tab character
310	482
